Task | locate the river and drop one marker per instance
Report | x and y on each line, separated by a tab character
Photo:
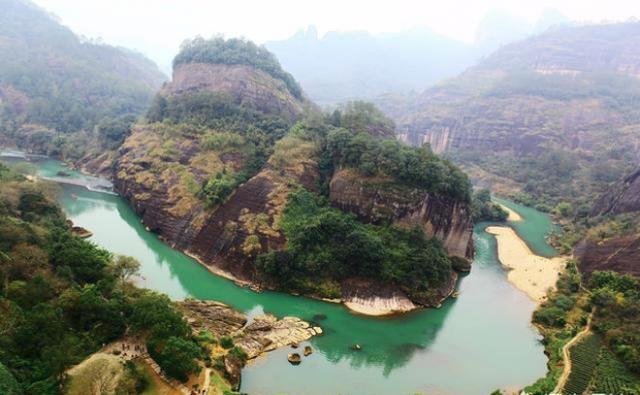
481	341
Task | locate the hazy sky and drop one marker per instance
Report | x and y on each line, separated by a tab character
156	28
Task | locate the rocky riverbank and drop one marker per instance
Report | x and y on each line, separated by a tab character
254	337
374	299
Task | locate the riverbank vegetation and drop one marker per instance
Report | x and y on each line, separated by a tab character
484	209
609	298
62	298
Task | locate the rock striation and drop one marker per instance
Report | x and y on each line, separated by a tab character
378	200
247	85
544	97
165	171
624	197
620	253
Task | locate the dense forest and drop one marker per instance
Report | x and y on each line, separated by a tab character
62	298
326	245
56	88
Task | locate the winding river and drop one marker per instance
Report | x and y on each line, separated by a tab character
481	341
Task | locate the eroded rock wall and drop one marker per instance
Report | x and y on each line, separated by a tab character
248	85
377	200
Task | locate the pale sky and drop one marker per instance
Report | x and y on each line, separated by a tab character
156	28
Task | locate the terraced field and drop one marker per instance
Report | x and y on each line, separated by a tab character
612	377
584	356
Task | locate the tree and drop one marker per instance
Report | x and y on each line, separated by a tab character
179	358
26	261
124	267
8	384
85	260
564	209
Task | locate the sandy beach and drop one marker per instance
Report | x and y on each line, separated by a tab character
513	216
530	273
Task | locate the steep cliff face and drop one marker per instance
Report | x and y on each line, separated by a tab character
565	95
619	252
162	186
215	171
247	224
379	200
623	197
247	85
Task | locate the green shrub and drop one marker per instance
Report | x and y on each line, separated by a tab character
226	342
238	353
218	188
483	209
222	141
550	316
8	384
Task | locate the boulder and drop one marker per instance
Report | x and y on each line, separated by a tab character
294	358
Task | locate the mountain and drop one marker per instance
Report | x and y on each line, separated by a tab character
348	65
550	119
612	241
239	170
343	66
55	87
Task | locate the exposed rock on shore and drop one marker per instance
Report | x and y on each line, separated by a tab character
264	333
365	297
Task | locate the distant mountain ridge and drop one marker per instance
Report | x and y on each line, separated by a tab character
347	65
560	108
55	84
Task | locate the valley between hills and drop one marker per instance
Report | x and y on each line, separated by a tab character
218	232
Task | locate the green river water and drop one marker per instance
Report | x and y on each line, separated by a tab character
481	341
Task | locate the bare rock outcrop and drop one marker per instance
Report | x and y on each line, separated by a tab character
377	200
262	334
619	254
624	197
247	85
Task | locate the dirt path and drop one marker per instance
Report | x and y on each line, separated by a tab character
567	358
